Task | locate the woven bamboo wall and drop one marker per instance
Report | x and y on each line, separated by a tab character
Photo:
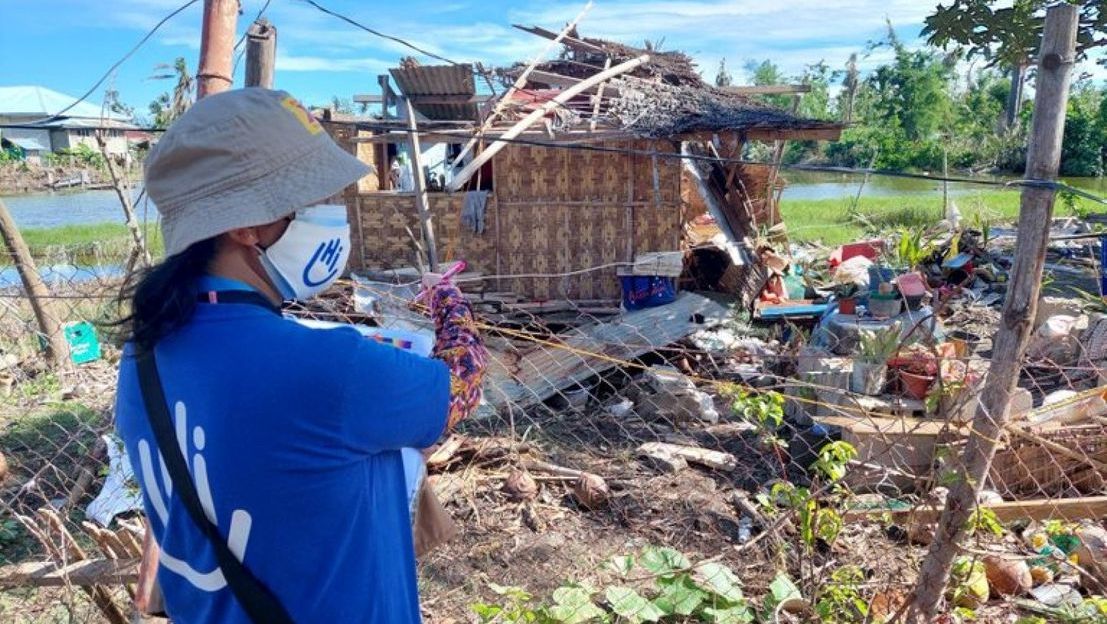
381	222
553	211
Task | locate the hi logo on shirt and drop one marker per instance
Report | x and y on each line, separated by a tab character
302	115
237	536
323	262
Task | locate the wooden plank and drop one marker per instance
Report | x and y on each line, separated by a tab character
559	80
80	573
692	454
1070	509
543	372
571	42
463	176
421	189
768	89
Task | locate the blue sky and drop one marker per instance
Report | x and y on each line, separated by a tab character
66	44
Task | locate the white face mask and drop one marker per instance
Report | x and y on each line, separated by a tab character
311	254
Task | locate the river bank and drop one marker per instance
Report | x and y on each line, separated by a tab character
18	178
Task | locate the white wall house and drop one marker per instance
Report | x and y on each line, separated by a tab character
48	121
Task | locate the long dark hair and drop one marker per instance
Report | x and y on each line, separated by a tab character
163	298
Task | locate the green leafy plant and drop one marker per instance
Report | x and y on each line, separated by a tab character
878	346
912	248
840	601
833	459
984	519
675	590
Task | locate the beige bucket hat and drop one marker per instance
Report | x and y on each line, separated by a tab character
241	158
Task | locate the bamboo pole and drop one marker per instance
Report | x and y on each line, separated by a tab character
57	351
463	176
519	83
421	204
1043	161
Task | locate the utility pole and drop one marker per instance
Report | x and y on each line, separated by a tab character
1058	52
216	47
57	350
261	51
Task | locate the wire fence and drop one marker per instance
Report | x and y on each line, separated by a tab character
681	463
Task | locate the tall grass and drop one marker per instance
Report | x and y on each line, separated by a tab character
102	243
832	222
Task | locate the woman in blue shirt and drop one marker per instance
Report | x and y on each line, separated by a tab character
291	436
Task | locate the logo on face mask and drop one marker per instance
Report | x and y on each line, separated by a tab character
326	257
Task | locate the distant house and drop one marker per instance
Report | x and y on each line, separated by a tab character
49	121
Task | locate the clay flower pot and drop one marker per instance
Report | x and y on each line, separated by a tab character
847	306
915	386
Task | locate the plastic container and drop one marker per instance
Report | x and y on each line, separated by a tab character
868	377
647	291
915	386
884	306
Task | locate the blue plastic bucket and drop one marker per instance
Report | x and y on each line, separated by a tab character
647	291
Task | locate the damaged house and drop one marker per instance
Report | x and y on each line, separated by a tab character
585	164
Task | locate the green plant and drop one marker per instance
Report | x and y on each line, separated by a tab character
912	249
840	601
815	522
833	459
984	519
878	346
675	590
764	409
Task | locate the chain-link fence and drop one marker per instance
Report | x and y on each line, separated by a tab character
684	462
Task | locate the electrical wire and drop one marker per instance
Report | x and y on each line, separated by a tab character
245	33
378	33
115	65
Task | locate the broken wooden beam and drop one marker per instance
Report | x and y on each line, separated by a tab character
478	161
85	573
572	42
691	454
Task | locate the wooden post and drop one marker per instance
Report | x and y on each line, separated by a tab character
261	50
216	47
463	176
57	351
1043	161
421	189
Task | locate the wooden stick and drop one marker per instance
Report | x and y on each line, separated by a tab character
598	98
1042	163
57	350
519	83
421	189
463	176
261	52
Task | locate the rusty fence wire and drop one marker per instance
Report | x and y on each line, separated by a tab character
679	463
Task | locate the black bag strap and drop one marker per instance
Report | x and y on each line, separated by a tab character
254	597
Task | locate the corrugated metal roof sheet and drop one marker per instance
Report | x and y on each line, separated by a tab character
29	144
36	100
439	80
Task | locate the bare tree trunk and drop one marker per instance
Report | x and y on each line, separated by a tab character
57	351
1014	97
261	50
1043	161
123	191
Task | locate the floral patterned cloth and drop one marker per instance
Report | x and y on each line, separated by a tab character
459	345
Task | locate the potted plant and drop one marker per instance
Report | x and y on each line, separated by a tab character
870	364
846	295
917	367
885	302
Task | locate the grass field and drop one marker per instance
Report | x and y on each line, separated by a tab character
832	222
104	240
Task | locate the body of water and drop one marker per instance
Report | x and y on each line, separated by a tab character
806	185
49	210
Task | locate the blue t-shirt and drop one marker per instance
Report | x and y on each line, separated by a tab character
293	437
